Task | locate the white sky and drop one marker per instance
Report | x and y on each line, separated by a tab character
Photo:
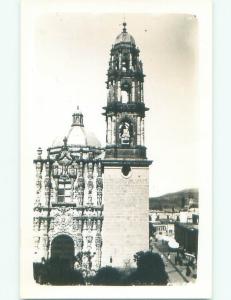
65	63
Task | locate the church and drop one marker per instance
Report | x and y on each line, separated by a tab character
92	202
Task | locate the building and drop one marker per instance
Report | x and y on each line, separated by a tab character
91	206
162	227
186	234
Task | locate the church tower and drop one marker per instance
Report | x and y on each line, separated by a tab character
126	168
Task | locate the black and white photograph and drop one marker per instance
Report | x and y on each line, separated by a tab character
116	173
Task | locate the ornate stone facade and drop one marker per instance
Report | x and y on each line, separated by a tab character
69	198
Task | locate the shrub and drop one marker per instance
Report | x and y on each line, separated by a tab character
107	276
150	269
57	272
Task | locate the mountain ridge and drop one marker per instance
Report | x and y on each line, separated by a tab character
176	200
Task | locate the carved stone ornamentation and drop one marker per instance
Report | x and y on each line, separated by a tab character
36	224
63	222
89	224
72	189
90	185
80	183
52	224
38	183
55	190
55	169
89	239
36	242
90	170
80	225
98	240
80	196
99	182
79	241
89	201
98	225
99	196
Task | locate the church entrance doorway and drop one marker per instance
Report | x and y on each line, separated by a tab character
62	251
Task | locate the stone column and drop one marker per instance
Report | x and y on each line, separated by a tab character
119	90
99	184
90	182
109	135
138	131
38	183
79	243
133	91
142	132
113	130
120	54
55	189
47	184
130	60
72	190
98	244
45	246
80	184
142	91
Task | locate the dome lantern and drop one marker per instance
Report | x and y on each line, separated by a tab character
124	25
77	118
77	135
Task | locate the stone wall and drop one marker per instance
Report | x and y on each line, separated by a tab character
125	227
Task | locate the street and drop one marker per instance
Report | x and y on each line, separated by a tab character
177	274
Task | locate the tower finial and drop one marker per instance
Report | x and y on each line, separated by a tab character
65	141
124	25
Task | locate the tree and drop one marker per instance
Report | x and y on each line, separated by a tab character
150	269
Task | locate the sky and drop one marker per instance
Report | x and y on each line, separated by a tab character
65	59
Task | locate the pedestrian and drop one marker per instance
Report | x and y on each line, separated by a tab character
188	271
176	260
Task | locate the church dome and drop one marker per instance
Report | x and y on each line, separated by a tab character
77	134
125	37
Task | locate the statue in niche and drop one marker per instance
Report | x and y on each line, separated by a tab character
125	132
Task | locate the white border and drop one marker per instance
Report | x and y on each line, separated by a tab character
202	289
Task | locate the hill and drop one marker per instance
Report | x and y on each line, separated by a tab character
176	200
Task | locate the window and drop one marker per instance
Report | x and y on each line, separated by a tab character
126	169
64	191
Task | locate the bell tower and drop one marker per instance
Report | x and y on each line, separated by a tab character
125	110
126	183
